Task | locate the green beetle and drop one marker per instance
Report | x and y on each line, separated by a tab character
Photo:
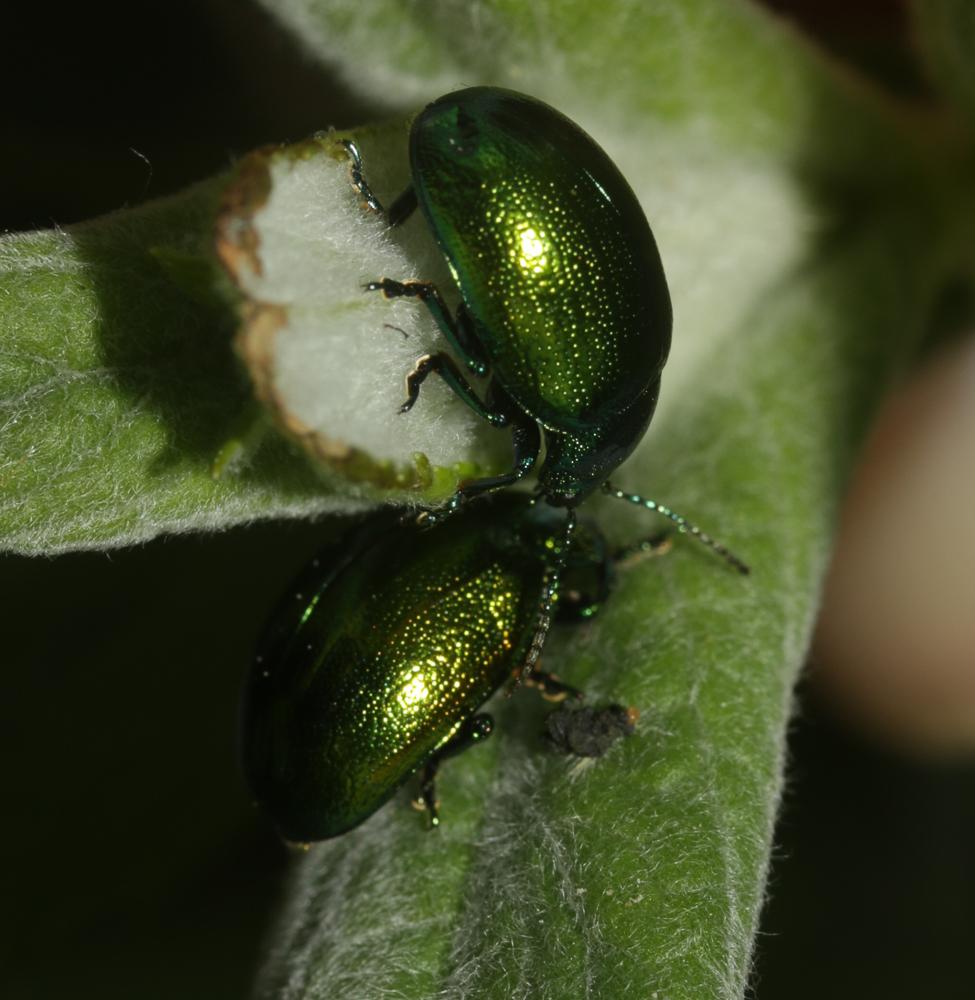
564	302
376	663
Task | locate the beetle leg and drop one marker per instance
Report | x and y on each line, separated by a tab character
526	439
358	181
646	548
466	342
551	687
475	730
546	606
444	366
459	330
402	208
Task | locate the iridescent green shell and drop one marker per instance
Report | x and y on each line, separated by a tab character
551	252
379	654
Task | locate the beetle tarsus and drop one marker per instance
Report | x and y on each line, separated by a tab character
427	802
475	730
428	518
401	209
551	687
421	369
392	289
358	181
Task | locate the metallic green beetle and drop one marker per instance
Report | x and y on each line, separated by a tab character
564	297
564	300
377	661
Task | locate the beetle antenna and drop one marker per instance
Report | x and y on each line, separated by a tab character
546	607
683	525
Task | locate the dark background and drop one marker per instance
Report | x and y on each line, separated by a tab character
133	864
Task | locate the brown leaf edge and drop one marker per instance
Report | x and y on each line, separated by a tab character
237	245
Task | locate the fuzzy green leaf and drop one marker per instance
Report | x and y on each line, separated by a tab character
118	386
